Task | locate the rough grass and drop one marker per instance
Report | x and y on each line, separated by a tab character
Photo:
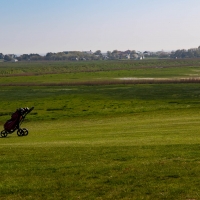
99	72
54	103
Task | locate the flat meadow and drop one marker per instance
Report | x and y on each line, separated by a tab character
102	130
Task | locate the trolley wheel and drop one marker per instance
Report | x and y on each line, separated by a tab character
25	131
4	133
20	132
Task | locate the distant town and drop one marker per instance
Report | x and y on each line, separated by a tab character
98	55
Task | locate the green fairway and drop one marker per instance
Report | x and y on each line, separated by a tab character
150	156
133	141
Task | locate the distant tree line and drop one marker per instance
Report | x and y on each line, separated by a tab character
190	53
71	55
98	55
77	55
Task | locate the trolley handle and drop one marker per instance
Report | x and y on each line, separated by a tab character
31	109
24	115
28	111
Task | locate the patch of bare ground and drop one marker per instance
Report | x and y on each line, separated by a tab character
118	81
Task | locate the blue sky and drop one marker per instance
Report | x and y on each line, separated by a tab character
41	26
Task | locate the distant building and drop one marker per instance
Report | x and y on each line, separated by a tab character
74	58
141	57
88	52
13	56
135	56
148	53
128	56
138	56
14	60
193	49
104	54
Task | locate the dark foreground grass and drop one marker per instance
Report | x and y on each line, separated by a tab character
148	156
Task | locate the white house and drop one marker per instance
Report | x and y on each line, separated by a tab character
14	60
128	56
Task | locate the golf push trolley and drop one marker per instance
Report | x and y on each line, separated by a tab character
14	123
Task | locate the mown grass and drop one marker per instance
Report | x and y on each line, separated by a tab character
102	142
152	156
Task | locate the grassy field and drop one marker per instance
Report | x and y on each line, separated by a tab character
68	73
123	141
